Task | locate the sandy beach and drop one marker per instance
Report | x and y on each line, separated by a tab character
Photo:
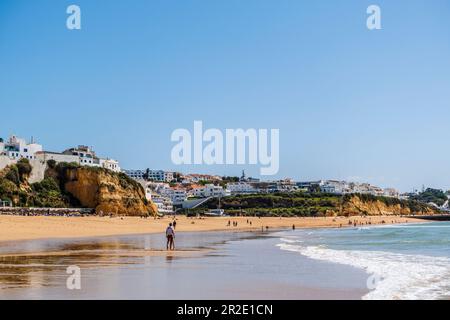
48	227
126	258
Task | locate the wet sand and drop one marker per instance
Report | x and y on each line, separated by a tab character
207	265
14	228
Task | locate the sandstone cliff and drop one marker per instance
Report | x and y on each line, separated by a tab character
317	204
68	185
358	204
108	192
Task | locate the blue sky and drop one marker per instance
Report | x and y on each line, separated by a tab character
350	103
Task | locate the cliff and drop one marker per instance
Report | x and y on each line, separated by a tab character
69	185
106	191
317	204
370	205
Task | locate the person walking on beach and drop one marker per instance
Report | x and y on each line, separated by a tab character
170	235
174	224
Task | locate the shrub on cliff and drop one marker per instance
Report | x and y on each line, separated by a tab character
126	182
51	163
7	188
48	193
12	174
24	168
46	185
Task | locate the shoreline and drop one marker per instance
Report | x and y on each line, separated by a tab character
17	228
148	275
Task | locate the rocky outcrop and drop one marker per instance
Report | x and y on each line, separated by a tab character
357	205
106	191
66	185
317	204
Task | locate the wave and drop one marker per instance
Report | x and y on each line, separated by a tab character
393	276
290	240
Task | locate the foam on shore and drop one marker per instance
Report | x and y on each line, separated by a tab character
390	275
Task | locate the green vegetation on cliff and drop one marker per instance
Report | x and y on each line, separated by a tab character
14	187
313	204
68	185
435	196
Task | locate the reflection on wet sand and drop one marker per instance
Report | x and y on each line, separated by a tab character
43	263
41	268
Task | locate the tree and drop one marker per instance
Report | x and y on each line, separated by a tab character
51	164
24	168
436	196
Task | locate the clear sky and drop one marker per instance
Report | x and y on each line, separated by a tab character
350	103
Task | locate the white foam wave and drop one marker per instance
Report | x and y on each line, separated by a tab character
401	276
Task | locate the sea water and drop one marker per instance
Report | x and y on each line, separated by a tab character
408	261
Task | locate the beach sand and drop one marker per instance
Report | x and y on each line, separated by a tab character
47	227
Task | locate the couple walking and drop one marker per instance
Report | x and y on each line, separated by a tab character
170	235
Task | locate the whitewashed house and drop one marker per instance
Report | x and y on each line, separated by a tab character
81	155
17	148
240	188
209	190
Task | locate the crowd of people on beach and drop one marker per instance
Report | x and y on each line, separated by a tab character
356	223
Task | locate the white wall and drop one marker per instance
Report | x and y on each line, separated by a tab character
38	172
44	157
5	161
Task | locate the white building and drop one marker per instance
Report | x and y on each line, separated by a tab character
391	192
81	155
334	186
153	175
110	164
135	174
240	188
169	176
156	175
195	178
344	187
17	148
163	204
208	190
177	195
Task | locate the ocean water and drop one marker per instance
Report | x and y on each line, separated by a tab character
410	261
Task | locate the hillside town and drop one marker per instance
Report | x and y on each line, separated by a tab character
187	191
173	190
